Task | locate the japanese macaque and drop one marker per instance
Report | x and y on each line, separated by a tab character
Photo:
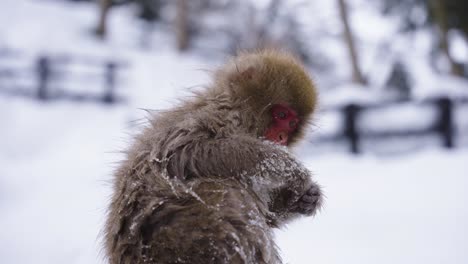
207	181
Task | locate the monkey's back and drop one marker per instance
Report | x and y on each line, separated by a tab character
205	221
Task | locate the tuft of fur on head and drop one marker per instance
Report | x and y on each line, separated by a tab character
267	77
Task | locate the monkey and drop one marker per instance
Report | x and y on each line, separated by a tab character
210	179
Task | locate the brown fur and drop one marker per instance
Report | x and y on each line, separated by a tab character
200	185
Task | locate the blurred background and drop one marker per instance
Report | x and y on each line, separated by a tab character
389	143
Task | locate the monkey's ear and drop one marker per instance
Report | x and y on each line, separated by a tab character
243	75
248	74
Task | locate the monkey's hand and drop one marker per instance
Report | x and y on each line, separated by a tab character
288	204
310	201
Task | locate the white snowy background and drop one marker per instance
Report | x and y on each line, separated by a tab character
56	159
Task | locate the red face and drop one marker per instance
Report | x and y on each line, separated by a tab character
284	123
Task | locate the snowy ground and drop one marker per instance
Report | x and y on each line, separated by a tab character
56	160
400	210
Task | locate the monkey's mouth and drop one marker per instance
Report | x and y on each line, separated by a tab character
282	138
277	136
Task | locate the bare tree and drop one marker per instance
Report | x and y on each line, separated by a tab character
440	16
104	7
357	75
182	27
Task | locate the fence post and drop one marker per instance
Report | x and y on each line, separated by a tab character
43	76
351	132
109	96
445	125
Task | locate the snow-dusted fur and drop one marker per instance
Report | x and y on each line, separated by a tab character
200	185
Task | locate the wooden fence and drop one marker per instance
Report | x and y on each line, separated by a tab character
442	125
46	72
49	76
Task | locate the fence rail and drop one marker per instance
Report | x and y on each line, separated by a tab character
47	72
442	125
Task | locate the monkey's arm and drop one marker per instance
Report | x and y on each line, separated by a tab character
273	174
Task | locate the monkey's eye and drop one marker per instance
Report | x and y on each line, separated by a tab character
281	115
293	124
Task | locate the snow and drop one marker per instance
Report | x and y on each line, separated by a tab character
390	119
458	47
54	192
51	176
399	210
56	158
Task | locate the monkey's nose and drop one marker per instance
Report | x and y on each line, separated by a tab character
282	138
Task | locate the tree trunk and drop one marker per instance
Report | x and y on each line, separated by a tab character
182	28
104	7
440	14
357	75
